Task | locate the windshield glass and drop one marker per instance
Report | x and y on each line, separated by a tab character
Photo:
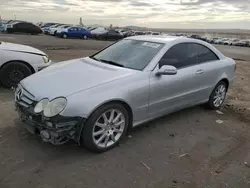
132	54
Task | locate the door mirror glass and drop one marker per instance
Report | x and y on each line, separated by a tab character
167	70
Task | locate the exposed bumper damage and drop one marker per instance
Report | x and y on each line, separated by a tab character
56	130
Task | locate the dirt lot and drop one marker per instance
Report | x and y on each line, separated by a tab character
187	149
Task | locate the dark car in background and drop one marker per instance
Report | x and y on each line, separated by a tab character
23	27
110	35
243	43
197	37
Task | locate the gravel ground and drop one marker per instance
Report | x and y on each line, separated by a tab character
186	149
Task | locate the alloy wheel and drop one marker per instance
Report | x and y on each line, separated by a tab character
108	128
219	97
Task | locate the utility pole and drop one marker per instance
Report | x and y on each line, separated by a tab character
81	24
14	16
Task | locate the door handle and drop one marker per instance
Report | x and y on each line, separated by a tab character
200	71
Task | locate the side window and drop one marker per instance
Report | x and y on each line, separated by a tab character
19	26
177	56
72	29
204	54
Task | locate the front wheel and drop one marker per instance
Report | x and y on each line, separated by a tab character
65	36
105	127
218	96
84	37
12	73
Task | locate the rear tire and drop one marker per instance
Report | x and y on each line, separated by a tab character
108	130
12	73
218	96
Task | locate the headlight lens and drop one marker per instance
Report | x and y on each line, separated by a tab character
45	59
41	105
55	107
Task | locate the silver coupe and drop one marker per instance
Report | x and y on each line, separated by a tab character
95	100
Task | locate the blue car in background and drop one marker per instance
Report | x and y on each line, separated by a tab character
74	32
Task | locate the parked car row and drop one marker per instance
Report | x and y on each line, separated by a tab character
224	41
100	33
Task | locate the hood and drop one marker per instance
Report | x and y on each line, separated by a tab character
69	77
20	48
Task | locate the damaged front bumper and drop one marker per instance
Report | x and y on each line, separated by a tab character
56	130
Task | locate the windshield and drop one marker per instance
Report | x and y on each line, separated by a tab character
133	54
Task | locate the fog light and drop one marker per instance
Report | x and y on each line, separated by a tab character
45	135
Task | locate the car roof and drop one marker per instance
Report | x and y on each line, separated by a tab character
162	38
172	40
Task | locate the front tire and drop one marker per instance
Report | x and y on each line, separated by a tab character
84	37
105	128
64	36
12	73
218	96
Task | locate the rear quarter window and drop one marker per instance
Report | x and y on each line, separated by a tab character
204	54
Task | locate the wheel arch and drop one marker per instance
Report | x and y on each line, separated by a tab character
117	101
226	82
18	61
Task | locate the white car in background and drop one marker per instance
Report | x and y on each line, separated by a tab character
98	30
19	61
54	30
230	41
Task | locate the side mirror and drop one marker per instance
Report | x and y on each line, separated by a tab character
167	70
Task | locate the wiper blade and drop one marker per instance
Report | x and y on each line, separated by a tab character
92	57
111	62
107	61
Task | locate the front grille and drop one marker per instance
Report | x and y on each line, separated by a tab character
24	97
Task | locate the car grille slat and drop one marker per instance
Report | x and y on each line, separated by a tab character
26	100
24	97
23	104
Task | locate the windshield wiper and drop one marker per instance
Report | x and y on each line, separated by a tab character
111	62
107	61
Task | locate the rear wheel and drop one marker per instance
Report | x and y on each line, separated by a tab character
12	73
55	33
105	127
218	96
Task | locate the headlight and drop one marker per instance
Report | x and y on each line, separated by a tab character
41	105
55	107
45	59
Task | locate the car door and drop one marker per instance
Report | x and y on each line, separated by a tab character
18	27
210	68
28	28
169	93
72	32
78	32
112	35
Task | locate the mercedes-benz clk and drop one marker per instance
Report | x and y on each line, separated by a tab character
95	100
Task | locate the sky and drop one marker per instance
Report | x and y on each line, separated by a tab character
193	14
